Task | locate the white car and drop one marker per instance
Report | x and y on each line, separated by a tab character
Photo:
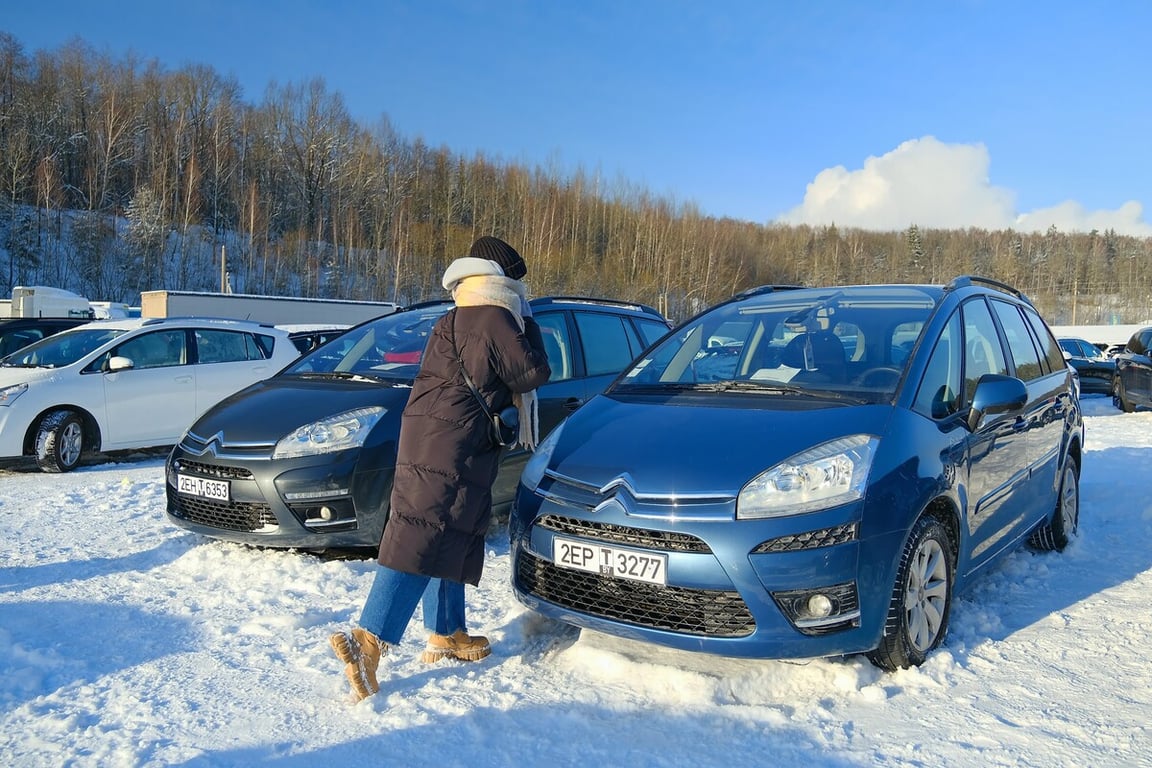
115	385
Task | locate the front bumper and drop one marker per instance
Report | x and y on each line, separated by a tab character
315	502
734	588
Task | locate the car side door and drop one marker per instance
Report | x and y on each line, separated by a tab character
1042	368
998	462
154	400
226	362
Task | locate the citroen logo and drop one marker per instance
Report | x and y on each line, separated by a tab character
211	444
622	481
618	503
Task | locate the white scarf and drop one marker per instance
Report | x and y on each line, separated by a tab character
500	291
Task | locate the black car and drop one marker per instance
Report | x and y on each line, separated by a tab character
18	332
1095	369
305	459
1133	385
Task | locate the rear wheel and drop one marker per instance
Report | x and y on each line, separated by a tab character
60	441
1055	533
1119	398
921	598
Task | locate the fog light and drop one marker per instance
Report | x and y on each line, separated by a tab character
819	606
326	513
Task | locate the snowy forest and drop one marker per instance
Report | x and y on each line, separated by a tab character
121	175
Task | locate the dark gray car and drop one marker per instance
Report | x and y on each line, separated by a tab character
305	459
1133	384
18	332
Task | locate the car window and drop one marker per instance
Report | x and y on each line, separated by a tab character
605	340
904	338
154	350
216	346
650	331
14	340
850	337
557	344
982	352
1049	349
1020	344
939	393
1072	347
1145	337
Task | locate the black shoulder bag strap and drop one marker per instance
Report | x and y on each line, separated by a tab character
467	378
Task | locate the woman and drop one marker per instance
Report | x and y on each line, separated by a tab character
446	463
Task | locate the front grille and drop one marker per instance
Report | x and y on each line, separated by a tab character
214	470
231	516
666	541
712	613
825	537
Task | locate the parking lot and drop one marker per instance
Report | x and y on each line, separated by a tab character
126	641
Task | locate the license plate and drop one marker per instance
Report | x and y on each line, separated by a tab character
610	561
203	487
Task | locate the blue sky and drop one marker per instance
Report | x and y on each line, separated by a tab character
982	113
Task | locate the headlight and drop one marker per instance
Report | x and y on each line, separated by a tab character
825	476
534	470
335	433
9	394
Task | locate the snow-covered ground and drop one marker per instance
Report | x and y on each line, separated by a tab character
125	641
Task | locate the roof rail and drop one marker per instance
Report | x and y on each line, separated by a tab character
206	318
423	304
964	281
761	289
599	300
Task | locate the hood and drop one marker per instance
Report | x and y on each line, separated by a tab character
10	376
268	410
697	445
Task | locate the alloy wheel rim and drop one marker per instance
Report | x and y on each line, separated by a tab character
1069	511
70	444
926	595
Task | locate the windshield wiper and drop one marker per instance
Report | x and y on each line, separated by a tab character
743	385
782	388
347	375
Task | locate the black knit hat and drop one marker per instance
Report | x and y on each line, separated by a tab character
495	249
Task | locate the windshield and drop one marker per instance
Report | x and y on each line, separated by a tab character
852	341
60	349
389	347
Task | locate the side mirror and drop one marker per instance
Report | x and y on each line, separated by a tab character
996	393
1067	354
119	364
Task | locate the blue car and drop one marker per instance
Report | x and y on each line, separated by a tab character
806	472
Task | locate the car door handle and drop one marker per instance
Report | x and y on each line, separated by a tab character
573	403
183	379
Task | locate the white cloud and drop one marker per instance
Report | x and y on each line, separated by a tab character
1071	216
941	186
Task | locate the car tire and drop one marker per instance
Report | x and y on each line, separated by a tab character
60	441
921	598
1118	397
1055	533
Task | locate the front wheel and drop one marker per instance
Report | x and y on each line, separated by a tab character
1055	533
921	598
60	441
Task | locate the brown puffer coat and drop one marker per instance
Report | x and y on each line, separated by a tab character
446	460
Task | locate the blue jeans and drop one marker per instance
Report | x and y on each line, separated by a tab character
393	599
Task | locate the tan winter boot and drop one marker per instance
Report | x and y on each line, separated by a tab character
460	645
360	651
